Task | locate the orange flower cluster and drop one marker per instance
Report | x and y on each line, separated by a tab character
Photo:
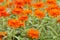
54	13
13	23
51	2
33	33
39	14
17	11
3	12
1	0
53	10
19	3
38	5
17	8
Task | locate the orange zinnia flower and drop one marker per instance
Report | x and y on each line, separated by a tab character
52	7
5	14
54	13
19	3
33	33
13	23
27	11
38	5
27	1
51	1
2	8
39	14
17	11
1	0
2	34
23	18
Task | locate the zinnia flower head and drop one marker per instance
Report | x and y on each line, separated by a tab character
51	2
1	0
2	8
50	7
39	14
17	11
5	14
13	23
19	3
33	33
38	5
54	13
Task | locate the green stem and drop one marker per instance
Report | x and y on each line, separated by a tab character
53	30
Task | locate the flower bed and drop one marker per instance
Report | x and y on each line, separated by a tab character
29	19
